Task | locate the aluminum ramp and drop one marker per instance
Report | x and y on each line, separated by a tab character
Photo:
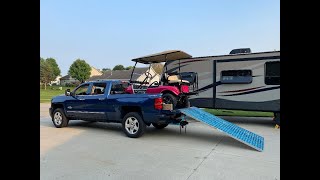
249	138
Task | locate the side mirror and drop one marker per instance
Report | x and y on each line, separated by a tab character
67	92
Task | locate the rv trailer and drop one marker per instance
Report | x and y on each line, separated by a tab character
248	81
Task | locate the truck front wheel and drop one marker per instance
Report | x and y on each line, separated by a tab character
133	125
59	119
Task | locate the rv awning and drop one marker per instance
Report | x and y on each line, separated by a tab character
162	57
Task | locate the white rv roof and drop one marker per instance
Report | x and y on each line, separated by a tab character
162	57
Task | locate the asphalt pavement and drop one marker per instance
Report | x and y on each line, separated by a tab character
85	150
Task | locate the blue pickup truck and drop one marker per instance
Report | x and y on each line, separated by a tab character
107	101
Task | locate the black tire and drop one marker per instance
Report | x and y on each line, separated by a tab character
170	99
59	119
159	126
137	128
277	118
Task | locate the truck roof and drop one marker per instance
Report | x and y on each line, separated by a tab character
99	81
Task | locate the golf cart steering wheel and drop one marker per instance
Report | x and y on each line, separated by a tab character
148	75
154	82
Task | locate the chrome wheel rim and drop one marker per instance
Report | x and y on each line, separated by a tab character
132	125
57	118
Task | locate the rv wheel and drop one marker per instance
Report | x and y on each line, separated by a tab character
169	99
277	118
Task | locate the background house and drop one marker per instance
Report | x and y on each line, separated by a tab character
95	72
124	75
70	80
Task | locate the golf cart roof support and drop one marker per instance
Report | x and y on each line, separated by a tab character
132	72
162	57
179	72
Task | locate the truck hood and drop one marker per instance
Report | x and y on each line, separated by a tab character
61	98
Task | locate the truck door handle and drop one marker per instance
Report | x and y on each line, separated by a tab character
101	99
81	99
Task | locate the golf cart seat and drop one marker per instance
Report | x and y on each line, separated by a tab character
174	79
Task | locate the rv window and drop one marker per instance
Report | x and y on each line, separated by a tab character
272	73
236	77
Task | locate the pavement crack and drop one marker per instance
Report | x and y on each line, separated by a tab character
204	158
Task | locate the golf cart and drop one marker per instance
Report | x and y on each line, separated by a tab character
176	87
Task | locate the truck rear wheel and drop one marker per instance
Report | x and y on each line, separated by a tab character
133	125
159	126
59	119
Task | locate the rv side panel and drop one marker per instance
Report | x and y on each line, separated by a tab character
242	84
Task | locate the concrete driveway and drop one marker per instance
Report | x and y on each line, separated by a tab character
102	151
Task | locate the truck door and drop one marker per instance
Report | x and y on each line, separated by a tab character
76	106
96	102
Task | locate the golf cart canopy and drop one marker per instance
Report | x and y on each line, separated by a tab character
162	57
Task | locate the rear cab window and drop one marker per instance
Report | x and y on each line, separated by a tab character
118	88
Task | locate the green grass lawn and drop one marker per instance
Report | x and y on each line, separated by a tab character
46	95
222	112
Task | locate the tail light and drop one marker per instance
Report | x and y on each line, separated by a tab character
158	103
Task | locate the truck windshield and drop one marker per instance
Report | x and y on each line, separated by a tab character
82	90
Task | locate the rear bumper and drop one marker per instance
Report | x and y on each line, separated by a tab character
164	116
170	112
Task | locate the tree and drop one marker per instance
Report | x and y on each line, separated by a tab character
105	69
80	70
54	65
118	67
129	67
46	73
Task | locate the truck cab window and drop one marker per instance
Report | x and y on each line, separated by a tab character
82	90
98	88
117	88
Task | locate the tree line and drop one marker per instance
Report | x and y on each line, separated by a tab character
79	69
